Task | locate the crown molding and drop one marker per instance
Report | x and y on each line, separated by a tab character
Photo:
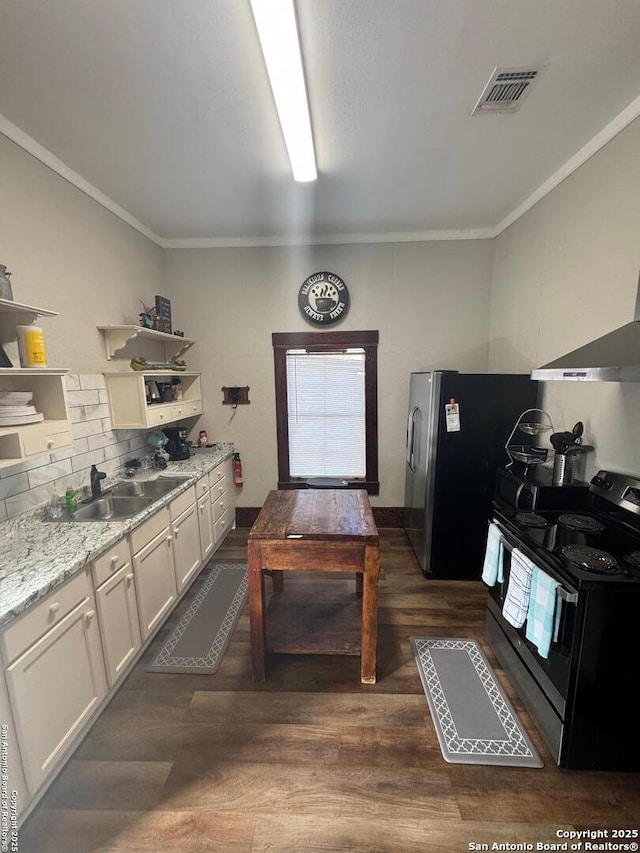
13	132
622	120
328	239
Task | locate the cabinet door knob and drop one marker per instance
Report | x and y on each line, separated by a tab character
53	608
114	561
169	538
50	443
129	578
89	615
176	532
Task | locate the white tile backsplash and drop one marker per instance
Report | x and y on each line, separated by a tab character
12	485
86	428
99	411
28	484
83	398
92	381
47	473
86	460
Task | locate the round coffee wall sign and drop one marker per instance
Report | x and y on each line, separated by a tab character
323	298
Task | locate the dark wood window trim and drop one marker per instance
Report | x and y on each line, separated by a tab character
321	342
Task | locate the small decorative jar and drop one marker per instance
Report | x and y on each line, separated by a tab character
5	284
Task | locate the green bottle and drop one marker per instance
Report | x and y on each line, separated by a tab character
70	500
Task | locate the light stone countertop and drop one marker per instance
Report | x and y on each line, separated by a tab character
36	555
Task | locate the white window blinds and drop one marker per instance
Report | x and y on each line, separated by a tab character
326	413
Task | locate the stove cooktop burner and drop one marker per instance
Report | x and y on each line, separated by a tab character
531	519
591	559
584	523
633	560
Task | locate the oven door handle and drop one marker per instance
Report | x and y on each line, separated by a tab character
569	597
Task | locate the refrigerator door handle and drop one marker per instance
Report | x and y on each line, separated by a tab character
411	432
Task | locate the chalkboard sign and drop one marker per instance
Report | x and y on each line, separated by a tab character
163	310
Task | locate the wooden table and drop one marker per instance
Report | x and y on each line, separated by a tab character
327	530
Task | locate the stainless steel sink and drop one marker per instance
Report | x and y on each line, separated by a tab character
109	508
147	488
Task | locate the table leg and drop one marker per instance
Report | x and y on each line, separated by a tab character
369	615
256	610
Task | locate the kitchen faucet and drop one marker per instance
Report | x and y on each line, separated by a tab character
96	476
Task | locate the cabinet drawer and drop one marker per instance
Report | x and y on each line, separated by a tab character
30	626
216	474
159	415
186	409
43	440
151	528
182	502
202	486
110	562
219	505
219	487
221	526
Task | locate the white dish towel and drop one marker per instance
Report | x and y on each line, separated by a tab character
516	603
492	569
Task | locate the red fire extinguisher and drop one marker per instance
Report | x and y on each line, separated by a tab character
237	469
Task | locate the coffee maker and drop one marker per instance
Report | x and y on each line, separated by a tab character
177	447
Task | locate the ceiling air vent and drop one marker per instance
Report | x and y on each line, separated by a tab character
506	90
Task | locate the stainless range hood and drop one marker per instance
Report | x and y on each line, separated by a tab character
615	357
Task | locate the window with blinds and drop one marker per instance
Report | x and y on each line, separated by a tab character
326	386
326	413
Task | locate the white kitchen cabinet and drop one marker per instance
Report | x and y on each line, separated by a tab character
205	517
186	546
57	679
222	500
154	570
47	386
221	478
221	527
205	521
115	593
12	760
126	388
128	399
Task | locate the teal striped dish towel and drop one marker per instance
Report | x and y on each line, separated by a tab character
543	617
516	602
493	557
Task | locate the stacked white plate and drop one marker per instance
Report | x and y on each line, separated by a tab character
16	409
15	398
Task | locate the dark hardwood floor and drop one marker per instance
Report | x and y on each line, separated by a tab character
312	760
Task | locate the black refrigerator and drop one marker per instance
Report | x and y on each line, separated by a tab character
457	428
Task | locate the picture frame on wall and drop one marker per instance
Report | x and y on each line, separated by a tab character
163	313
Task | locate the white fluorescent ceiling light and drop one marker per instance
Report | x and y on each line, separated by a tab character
276	23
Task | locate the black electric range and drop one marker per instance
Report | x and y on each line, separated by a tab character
588	548
580	694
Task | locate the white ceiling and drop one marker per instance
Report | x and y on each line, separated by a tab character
161	110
